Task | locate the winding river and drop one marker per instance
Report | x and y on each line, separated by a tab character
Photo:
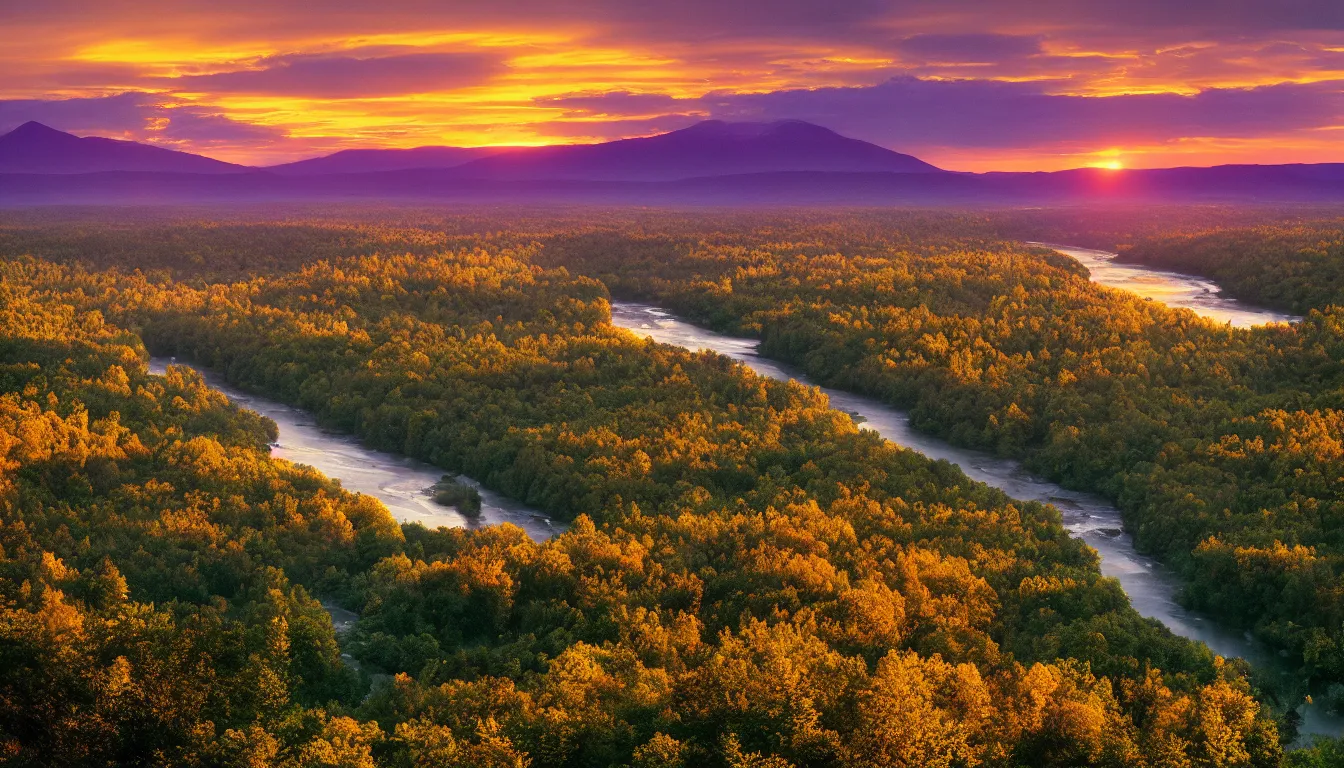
1171	288
402	484
1152	588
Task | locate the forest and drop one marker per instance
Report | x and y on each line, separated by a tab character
1219	444
748	578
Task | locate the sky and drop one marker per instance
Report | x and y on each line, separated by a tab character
974	85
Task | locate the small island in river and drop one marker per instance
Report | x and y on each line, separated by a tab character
451	492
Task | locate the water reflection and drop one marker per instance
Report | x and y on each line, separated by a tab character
400	483
1151	587
1171	288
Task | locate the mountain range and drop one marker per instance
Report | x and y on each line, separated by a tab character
382	160
710	163
709	148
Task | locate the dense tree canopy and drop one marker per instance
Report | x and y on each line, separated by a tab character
748	579
1219	443
152	561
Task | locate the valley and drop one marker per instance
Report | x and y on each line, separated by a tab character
596	384
643	503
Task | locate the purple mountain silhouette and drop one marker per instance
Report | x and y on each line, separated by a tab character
35	148
711	163
710	148
380	160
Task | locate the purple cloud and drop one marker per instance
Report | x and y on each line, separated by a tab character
621	129
325	76
616	103
970	49
138	116
977	113
202	127
906	113
123	113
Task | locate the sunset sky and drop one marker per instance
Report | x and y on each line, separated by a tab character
964	84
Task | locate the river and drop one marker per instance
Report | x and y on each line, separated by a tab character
1171	288
402	484
1152	588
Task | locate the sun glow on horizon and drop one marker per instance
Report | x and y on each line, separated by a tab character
1110	159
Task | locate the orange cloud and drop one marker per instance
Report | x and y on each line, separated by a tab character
413	73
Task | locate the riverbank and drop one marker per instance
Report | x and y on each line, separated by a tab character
402	484
1175	289
1152	588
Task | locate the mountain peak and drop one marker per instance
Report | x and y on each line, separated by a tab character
37	148
707	148
34	130
754	130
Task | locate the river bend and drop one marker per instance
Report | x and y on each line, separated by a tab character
1171	288
1151	586
402	484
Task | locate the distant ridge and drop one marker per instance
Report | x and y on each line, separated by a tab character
711	163
36	148
709	148
382	160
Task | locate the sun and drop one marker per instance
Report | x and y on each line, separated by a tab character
1110	165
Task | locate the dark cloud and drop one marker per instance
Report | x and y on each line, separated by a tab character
977	113
907	113
1249	16
137	116
1299	14
970	48
695	21
620	129
203	127
123	113
615	103
112	114
345	76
